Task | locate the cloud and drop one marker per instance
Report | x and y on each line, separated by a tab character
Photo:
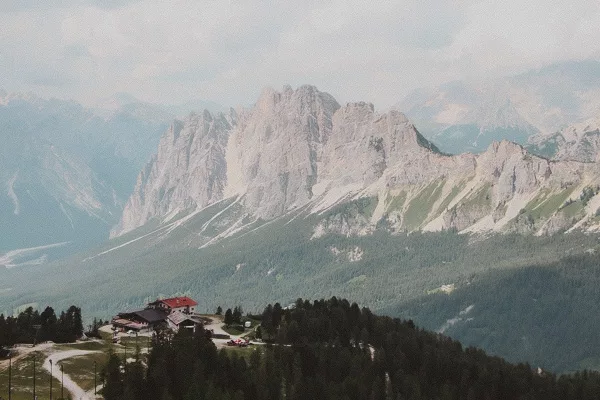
226	51
9	6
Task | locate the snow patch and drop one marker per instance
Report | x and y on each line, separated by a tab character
351	255
64	211
128	243
235	228
217	215
459	318
12	194
239	266
8	258
172	214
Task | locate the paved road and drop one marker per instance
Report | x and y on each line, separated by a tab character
76	391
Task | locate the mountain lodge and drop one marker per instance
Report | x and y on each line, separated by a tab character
173	313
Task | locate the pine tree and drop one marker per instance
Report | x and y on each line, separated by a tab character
48	321
228	317
237	314
113	379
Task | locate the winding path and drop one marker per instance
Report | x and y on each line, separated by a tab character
77	392
22	351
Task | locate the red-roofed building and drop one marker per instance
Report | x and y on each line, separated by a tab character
174	313
183	305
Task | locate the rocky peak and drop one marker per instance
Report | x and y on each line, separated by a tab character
291	146
188	171
276	150
577	142
300	147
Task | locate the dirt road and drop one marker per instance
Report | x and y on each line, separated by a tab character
22	351
76	392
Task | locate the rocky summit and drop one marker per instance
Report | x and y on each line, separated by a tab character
300	151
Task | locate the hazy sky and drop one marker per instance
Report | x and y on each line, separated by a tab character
176	50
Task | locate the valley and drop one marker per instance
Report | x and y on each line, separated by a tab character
299	196
399	274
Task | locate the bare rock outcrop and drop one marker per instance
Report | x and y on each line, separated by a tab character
188	171
300	147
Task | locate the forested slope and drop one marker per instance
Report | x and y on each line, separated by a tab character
280	261
545	314
335	350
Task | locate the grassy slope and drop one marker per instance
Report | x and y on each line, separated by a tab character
278	262
22	379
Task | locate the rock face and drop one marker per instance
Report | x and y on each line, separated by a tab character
364	144
299	150
277	149
189	171
578	142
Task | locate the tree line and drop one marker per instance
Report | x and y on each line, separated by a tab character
331	349
540	313
31	326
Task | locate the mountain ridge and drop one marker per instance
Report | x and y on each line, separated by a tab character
464	116
300	148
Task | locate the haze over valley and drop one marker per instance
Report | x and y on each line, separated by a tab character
451	177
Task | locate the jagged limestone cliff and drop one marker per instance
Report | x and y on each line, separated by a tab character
299	151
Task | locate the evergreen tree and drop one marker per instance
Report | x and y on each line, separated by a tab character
228	317
113	379
48	322
237	314
394	360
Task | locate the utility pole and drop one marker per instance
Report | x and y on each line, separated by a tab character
95	378
37	330
10	376
34	398
50	379
62	375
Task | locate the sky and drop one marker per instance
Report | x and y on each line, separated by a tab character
174	51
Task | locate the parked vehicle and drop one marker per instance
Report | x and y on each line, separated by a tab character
238	342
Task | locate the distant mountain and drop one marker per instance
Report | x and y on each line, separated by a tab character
578	142
197	105
461	116
67	170
126	101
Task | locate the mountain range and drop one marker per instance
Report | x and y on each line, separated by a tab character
465	116
301	196
300	150
66	171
